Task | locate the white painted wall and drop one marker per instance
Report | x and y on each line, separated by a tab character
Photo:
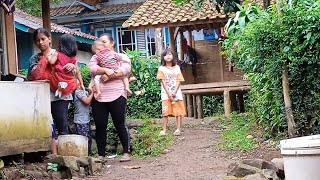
25	117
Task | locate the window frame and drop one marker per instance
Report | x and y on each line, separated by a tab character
147	42
133	36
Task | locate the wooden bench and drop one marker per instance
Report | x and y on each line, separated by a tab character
232	92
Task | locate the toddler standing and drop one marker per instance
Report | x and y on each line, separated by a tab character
82	102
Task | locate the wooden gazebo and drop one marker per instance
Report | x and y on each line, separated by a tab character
214	77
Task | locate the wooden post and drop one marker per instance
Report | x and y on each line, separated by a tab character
200	107
159	41
10	43
181	54
241	103
190	38
227	102
189	105
185	102
285	86
172	42
194	102
193	43
46	15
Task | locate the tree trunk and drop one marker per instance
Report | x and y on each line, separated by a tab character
287	102
285	87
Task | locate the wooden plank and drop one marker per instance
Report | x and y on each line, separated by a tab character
194	102
46	15
215	85
10	44
227	103
24	145
214	90
200	106
189	105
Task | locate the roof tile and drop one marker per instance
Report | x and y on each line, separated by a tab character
152	12
35	23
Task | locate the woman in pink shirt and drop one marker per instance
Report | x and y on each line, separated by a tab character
113	100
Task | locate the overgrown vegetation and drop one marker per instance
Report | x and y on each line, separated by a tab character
264	46
33	7
237	132
147	142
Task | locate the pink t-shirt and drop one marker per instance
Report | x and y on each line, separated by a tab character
112	89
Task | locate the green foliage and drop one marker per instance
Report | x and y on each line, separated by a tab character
147	141
86	75
33	7
146	101
264	47
237	128
212	105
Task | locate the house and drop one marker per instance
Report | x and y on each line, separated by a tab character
212	76
107	17
25	24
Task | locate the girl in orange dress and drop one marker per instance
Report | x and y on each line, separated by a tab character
172	100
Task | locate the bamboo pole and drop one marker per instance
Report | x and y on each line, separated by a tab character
172	41
286	89
189	105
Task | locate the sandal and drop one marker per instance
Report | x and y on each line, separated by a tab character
162	133
125	158
177	132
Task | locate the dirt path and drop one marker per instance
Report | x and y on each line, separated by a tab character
193	155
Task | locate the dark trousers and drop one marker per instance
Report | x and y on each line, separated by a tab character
59	111
117	109
85	130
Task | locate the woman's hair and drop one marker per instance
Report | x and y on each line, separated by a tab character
109	37
68	45
42	31
164	53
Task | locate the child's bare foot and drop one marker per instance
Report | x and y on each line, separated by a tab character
129	92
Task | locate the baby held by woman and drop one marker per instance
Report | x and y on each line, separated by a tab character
107	58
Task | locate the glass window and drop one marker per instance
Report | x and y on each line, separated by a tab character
126	39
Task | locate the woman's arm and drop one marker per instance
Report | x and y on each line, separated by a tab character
124	69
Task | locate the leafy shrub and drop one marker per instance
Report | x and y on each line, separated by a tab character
264	47
146	100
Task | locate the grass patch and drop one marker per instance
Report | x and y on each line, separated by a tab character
235	132
147	142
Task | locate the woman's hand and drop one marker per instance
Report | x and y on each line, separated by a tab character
82	87
69	67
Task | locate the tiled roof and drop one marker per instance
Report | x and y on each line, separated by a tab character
35	23
102	10
167	13
67	10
